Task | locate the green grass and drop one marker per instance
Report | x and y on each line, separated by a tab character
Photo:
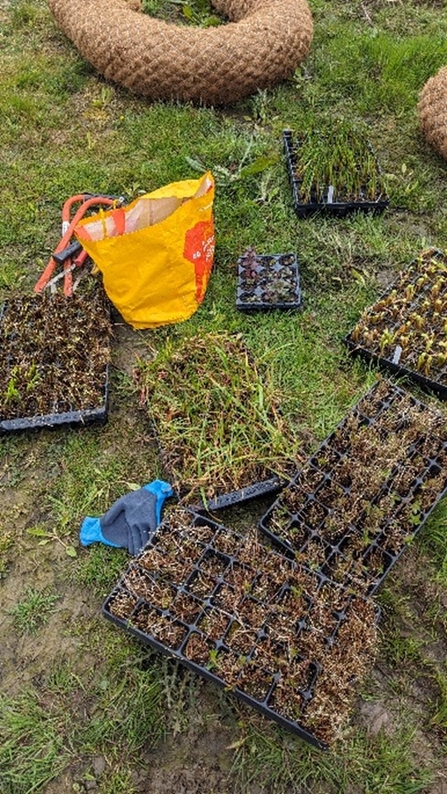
63	129
216	415
33	611
383	767
33	744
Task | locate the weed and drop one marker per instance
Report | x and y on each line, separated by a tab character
33	611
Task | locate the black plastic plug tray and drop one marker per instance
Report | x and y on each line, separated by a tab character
247	618
74	418
45	356
269	281
339	208
366	492
404	330
255	490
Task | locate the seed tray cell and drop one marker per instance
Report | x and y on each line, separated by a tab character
54	368
404	331
338	208
384	469
267	282
262	626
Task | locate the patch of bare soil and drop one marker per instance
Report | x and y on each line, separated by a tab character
25	658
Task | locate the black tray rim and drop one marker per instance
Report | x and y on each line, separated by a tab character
337	208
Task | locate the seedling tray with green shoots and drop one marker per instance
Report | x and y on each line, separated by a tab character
54	354
333	170
405	331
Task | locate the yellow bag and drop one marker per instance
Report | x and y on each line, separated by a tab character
156	254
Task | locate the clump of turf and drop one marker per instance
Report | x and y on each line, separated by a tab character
216	416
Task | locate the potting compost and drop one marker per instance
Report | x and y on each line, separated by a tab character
131	521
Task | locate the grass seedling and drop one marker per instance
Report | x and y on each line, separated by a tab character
216	417
335	163
33	611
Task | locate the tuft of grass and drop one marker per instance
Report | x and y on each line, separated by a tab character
33	743
34	610
434	541
216	416
275	762
99	569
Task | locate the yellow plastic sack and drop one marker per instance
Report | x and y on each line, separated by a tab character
155	254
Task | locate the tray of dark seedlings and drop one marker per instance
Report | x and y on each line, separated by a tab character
405	331
269	281
366	492
54	354
281	638
333	168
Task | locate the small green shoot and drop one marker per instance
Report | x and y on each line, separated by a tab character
33	611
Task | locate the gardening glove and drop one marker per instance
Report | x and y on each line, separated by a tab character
131	521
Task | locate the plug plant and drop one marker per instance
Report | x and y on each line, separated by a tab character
260	625
333	162
267	281
361	498
407	326
53	354
216	416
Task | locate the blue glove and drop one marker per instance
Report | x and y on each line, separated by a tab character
131	521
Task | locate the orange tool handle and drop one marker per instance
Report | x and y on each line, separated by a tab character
66	237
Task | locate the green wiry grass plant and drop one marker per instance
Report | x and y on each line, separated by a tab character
217	419
33	744
34	610
337	157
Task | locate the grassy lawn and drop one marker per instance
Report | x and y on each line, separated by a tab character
82	706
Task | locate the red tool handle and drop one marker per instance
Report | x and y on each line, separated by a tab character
66	237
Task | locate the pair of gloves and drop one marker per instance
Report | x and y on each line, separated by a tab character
131	521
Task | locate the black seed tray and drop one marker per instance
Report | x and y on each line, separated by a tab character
75	418
71	418
270	282
338	208
253	491
366	492
364	341
245	617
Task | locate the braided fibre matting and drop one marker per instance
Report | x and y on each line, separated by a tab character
263	43
432	109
